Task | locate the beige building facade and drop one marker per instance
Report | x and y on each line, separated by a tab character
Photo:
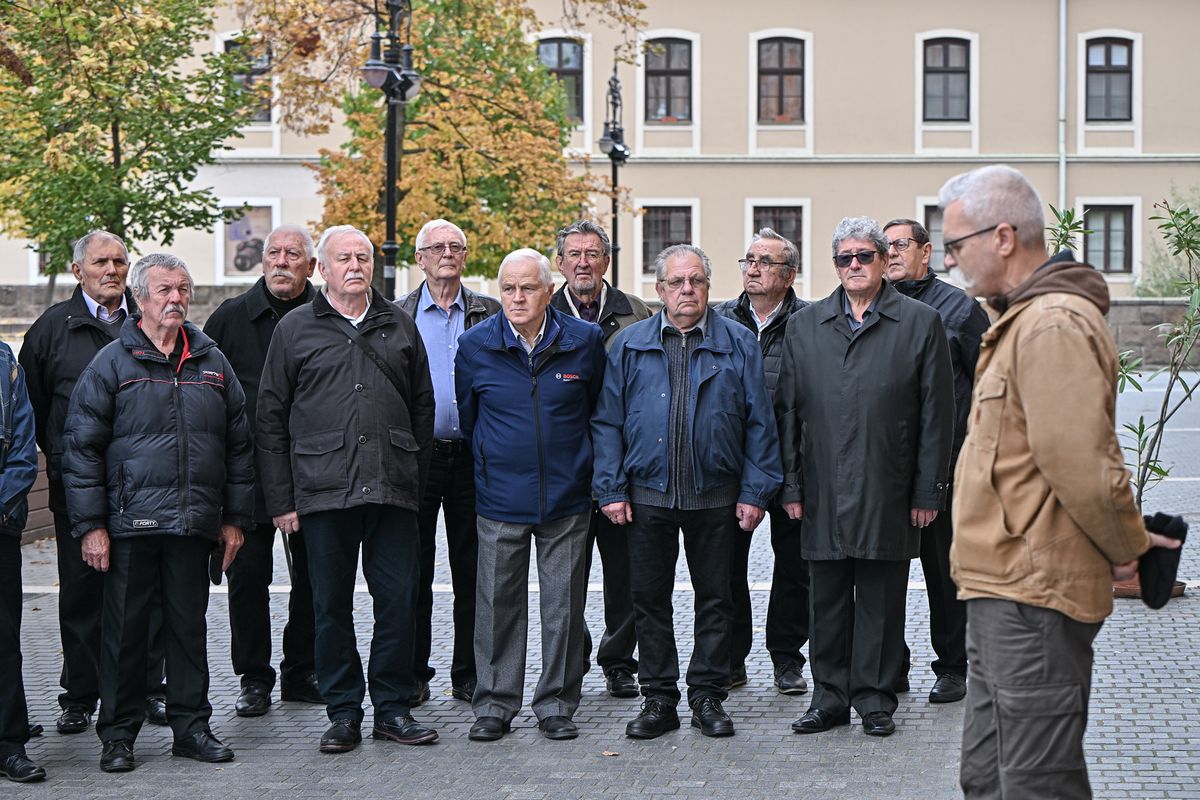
797	113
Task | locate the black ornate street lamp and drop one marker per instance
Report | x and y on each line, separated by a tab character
391	71
612	144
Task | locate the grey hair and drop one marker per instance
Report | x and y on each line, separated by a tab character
862	228
660	261
791	254
297	230
528	254
337	230
919	234
435	224
79	250
584	226
996	194
139	276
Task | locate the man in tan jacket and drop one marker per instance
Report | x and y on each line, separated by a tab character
1044	517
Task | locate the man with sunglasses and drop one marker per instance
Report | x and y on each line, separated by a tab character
443	309
865	404
909	250
684	440
768	300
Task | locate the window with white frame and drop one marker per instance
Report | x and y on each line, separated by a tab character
668	80
781	80
933	224
1109	80
1109	246
259	66
947	80
563	57
663	226
787	221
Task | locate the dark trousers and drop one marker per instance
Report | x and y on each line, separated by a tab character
1027	702
250	611
856	645
450	486
653	552
80	599
620	634
787	609
14	715
390	543
947	614
174	568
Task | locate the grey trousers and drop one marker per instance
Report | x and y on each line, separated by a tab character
502	616
1028	683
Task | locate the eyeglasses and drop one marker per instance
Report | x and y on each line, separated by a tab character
902	244
675	284
953	246
441	247
587	255
865	257
762	263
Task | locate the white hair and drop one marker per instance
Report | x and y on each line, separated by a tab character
337	230
528	254
436	224
995	194
287	229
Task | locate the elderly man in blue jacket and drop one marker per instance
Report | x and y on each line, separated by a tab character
685	440
527	381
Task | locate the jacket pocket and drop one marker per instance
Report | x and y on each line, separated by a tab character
402	459
319	461
1040	728
987	412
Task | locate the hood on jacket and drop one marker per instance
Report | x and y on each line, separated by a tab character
1061	274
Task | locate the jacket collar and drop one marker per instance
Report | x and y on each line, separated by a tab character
615	302
79	314
914	288
791	304
470	299
379	311
135	340
556	334
887	304
647	335
257	303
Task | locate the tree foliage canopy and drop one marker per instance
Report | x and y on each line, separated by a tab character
107	114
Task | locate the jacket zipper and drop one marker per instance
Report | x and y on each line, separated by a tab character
184	477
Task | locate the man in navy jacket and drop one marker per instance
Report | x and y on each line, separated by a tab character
526	382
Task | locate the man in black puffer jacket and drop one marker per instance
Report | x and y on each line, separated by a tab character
158	466
768	271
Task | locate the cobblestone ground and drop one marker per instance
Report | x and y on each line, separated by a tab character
1142	740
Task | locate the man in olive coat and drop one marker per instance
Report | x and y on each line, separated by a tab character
865	405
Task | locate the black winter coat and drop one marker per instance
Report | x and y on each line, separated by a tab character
965	322
620	311
59	344
332	432
242	326
155	449
771	339
866	422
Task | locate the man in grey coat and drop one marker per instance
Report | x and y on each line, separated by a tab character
865	405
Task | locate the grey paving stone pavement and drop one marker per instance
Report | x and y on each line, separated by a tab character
1142	740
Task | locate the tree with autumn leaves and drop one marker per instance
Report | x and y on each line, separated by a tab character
107	113
483	143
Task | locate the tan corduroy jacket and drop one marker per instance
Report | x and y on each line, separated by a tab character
1042	502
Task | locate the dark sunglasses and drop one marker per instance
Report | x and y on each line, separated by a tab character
864	257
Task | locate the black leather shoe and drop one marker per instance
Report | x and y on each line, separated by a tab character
558	728
421	695
156	710
117	756
878	723
621	683
202	746
341	737
35	730
790	680
710	718
737	678
488	729
464	690
658	716
73	720
304	690
817	720
254	700
403	729
948	689
19	769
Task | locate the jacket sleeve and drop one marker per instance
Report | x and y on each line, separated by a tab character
599	361
33	360
788	420
762	470
935	438
969	335
1088	475
272	434
238	502
422	411
20	467
88	432
464	390
609	484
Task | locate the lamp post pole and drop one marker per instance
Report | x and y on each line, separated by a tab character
612	144
391	71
